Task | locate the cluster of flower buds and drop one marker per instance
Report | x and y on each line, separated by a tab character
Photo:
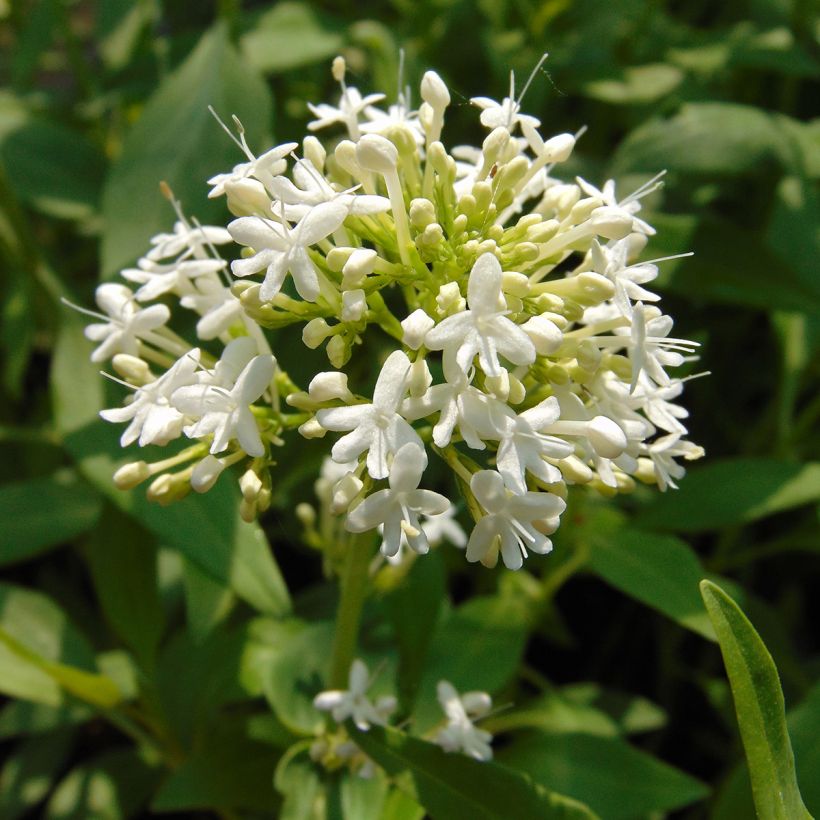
528	353
457	733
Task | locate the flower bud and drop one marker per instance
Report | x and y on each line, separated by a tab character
338	68
247	197
416	327
313	150
434	91
132	368
544	334
450	300
129	475
250	484
338	351
610	222
375	153
315	332
312	429
422	213
606	437
559	147
358	265
354	305
344	491
419	379
328	386
205	473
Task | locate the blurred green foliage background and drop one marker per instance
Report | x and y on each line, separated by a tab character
182	608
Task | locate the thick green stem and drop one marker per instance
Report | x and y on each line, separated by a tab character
351	603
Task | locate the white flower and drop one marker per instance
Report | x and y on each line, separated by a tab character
650	351
378	428
506	114
663	452
444	527
263	168
217	306
612	261
154	419
508	524
221	404
128	322
159	280
280	250
353	701
310	188
185	241
484	328
460	734
351	105
524	448
629	205
399	507
477	415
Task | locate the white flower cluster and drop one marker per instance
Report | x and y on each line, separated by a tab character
458	733
529	354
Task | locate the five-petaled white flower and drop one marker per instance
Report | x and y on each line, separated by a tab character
399	507
508	525
221	403
154	419
460	734
484	328
524	448
378	428
650	350
353	701
186	240
280	249
128	322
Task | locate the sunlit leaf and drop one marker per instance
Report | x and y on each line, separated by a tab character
760	709
177	140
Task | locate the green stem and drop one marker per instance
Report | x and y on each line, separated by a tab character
349	615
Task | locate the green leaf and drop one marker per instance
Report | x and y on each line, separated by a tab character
297	780
748	281
759	706
114	785
733	491
615	779
659	570
360	798
194	678
177	140
53	169
122	558
456	787
636	84
803	721
296	674
207	602
32	621
704	138
206	529
43	513
225	771
30	770
288	36
21	717
584	708
413	608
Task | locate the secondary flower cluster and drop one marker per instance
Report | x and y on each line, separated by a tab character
457	734
527	353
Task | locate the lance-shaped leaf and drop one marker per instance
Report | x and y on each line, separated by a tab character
760	709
